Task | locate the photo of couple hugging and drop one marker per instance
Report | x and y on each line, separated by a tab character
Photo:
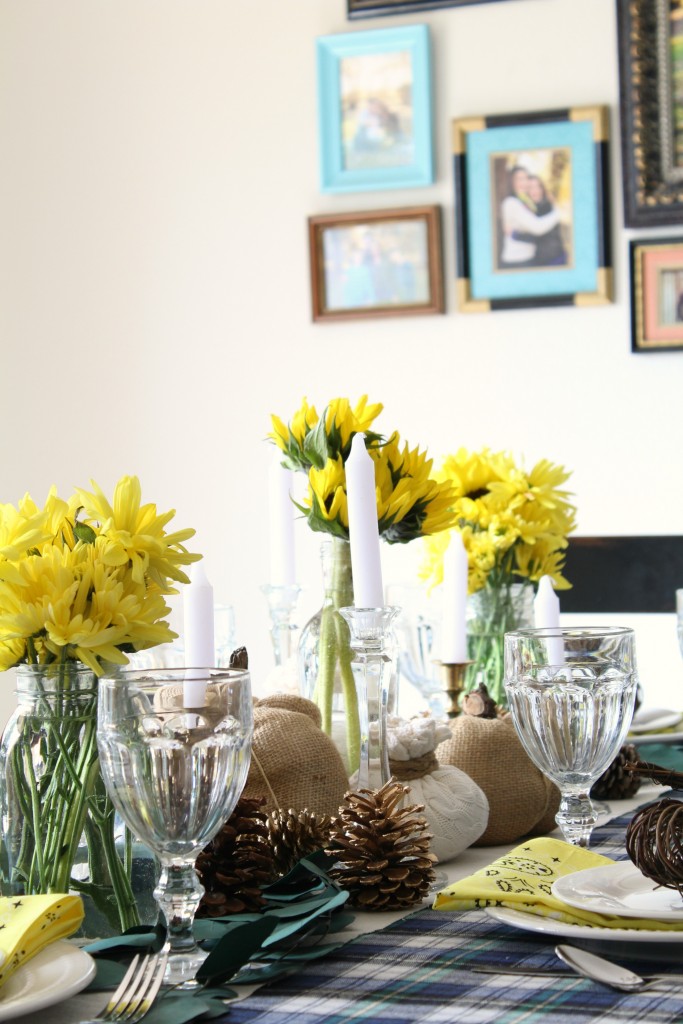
533	209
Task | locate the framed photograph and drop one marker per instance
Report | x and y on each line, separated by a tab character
382	263
374	8
656	294
651	100
374	109
531	211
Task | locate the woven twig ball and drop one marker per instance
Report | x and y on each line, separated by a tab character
654	842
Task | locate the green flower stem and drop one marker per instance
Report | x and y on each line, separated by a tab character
54	806
334	650
500	607
327	648
350	693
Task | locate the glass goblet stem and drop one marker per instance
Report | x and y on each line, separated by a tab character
576	817
178	894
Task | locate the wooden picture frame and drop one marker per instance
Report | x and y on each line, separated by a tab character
376	8
375	109
532	216
376	264
656	294
650	34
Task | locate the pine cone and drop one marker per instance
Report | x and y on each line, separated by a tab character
616	782
236	863
293	834
381	849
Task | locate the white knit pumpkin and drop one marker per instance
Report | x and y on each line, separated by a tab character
456	809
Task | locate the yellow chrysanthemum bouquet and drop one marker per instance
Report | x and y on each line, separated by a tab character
82	585
514	524
411	503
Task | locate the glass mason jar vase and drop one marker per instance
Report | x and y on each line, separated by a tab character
325	655
58	829
491	613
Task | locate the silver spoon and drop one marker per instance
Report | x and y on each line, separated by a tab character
598	969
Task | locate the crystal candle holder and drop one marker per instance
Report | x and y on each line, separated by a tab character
374	663
281	604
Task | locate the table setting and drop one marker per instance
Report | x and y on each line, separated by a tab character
176	846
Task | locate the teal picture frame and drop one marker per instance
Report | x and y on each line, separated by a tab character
375	110
515	249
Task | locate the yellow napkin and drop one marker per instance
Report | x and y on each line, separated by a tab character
30	923
522	879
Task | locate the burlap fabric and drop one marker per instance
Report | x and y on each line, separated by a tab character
294	764
522	801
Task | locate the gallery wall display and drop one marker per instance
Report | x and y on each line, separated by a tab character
656	294
374	8
532	226
376	263
651	100
375	109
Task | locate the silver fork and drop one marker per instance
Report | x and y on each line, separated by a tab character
136	993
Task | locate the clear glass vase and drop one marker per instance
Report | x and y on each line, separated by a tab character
491	613
59	831
325	655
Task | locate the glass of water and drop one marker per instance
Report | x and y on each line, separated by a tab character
571	694
174	749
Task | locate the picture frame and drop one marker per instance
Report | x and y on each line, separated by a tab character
375	109
532	216
376	263
376	8
656	294
650	35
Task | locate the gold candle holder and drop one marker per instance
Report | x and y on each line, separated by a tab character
453	675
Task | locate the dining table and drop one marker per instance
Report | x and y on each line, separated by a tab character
426	965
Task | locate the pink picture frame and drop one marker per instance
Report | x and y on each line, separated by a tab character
656	294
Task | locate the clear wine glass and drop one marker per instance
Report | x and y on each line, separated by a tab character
571	694
174	750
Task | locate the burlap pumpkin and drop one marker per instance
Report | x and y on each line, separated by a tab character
522	801
294	763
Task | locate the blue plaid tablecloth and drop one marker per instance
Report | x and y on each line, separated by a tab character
421	969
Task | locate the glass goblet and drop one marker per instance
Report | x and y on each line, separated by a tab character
174	749
571	694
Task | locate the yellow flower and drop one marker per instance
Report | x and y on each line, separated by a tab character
513	523
87	590
135	534
309	440
326	498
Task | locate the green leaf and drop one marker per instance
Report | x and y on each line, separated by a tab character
315	444
234	949
84	533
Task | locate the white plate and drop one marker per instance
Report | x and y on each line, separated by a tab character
619	889
655	737
549	926
654	719
56	973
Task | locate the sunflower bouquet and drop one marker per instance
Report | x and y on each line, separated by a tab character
82	585
411	503
514	524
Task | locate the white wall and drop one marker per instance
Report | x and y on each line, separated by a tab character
159	163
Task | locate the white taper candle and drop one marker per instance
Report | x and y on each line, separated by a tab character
363	527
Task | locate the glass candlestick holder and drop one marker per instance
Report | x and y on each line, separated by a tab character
373	665
281	604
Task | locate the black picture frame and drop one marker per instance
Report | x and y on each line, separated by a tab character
380	8
485	152
652	170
